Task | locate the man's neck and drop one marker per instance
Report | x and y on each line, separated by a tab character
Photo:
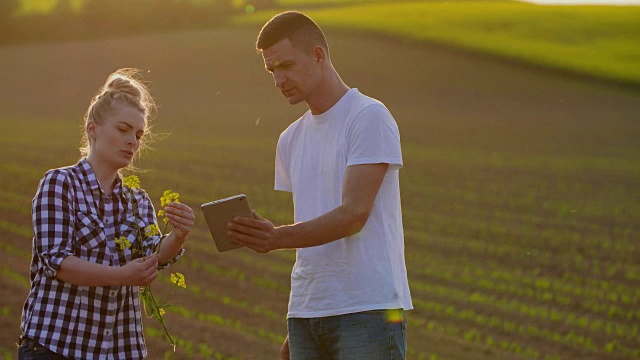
328	95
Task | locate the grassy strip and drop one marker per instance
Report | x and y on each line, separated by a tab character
599	41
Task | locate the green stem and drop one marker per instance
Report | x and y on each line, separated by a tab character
160	318
163	235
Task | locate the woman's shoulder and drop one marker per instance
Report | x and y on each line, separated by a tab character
65	173
60	173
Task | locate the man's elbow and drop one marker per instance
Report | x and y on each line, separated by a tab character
358	218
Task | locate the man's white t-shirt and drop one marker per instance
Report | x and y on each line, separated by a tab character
365	271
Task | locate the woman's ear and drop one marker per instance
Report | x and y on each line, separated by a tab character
91	130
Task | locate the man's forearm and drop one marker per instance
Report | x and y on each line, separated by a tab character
338	223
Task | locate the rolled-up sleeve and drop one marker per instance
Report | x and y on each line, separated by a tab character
53	224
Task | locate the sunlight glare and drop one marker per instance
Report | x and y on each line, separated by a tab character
394	315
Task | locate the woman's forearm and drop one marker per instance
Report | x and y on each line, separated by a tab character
81	272
170	247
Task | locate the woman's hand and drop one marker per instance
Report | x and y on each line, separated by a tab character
139	272
181	217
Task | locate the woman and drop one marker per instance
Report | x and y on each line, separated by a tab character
83	301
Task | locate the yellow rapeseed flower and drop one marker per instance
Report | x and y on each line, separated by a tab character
132	182
151	230
169	196
178	279
123	243
162	312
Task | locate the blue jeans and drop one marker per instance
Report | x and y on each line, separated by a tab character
31	350
365	335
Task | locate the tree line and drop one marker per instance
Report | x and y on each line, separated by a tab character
99	18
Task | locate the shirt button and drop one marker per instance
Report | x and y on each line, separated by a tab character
106	220
107	332
51	273
112	293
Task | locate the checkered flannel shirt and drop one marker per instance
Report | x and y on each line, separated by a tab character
72	216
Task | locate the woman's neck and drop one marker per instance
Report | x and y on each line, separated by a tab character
106	176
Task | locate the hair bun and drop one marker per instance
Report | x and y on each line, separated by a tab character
123	85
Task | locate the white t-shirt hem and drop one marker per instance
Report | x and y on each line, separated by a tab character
352	310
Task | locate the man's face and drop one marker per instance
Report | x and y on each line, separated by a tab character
296	72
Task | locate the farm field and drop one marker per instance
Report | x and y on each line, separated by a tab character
598	41
520	195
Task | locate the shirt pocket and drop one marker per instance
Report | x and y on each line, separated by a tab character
90	240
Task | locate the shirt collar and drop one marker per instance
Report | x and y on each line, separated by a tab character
91	180
89	176
117	188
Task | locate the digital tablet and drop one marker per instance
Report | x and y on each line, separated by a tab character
218	213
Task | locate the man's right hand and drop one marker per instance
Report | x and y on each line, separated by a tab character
141	271
284	350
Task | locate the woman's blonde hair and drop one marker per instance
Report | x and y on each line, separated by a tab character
124	85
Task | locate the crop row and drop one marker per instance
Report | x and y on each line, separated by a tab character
187	348
569	338
220	320
226	300
527	229
510	290
514	285
611	328
601	289
477	336
530	230
519	255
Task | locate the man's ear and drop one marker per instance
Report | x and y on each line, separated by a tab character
320	55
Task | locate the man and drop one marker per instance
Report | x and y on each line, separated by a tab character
341	159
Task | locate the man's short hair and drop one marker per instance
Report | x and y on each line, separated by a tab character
295	26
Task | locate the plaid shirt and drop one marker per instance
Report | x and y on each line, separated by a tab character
72	216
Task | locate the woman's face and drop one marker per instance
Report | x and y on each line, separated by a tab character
115	141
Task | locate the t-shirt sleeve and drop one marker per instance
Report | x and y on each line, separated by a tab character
282	178
374	138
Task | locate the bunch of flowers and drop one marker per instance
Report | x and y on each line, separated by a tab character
145	237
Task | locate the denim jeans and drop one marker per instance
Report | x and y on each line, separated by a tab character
365	335
31	350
